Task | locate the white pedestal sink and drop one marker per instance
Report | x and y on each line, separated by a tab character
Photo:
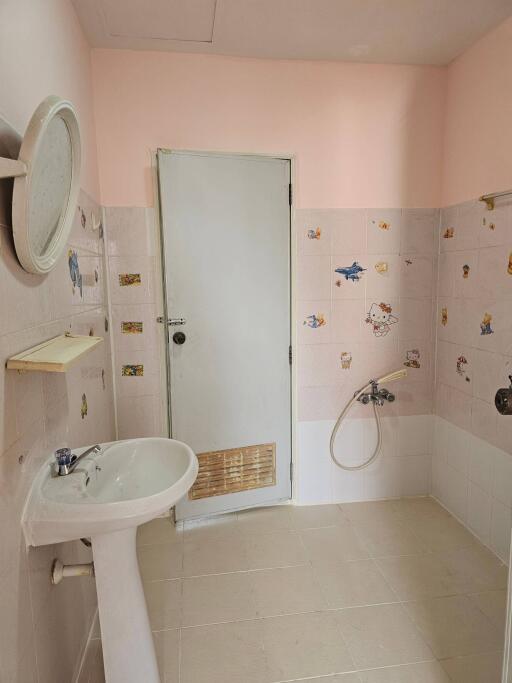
106	498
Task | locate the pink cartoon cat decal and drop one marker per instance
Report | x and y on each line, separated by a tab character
381	318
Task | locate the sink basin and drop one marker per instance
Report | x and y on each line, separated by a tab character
106	498
126	484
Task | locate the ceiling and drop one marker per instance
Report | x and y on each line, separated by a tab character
384	31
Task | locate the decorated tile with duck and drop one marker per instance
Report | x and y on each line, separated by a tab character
384	227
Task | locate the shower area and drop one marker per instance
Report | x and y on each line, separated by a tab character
394	556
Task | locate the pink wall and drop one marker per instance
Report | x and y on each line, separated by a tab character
44	52
478	129
363	135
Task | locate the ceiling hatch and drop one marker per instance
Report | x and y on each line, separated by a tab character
184	20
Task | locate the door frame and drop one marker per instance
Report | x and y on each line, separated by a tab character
162	302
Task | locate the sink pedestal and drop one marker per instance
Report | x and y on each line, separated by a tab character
128	649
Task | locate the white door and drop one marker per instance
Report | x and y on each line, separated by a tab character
226	250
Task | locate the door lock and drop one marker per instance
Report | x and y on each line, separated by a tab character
179	338
171	321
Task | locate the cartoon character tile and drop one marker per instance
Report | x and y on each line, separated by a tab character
129	279
462	366
346	360
132	370
313	231
131	327
384	227
74	272
349	273
315	320
380	317
486	324
412	359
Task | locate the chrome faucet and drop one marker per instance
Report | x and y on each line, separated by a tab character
376	395
66	461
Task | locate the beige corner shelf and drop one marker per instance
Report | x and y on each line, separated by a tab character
54	355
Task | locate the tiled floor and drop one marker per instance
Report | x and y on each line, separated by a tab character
381	592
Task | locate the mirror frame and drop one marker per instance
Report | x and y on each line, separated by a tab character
50	108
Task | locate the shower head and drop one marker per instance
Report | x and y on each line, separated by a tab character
397	374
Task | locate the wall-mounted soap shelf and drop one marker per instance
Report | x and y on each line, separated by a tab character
55	355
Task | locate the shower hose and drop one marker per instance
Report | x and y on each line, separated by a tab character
338	424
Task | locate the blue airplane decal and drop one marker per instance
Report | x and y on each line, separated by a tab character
352	272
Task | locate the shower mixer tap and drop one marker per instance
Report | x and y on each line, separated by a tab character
376	395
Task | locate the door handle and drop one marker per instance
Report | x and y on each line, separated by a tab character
171	321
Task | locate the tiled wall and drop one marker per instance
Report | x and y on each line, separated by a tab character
350	262
474	359
331	318
473	479
135	289
44	628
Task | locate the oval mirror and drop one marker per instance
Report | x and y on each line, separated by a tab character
46	185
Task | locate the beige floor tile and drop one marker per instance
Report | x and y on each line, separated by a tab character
223	653
167	647
91	663
425	672
97	673
161	530
304	645
333	544
218	597
389	536
163	599
214	556
211	528
161	561
286	591
421	576
494	605
371	510
421	508
475	668
96	632
315	516
340	678
353	584
478	568
265	519
381	635
442	534
454	626
277	549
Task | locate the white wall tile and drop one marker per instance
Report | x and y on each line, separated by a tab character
501	523
481	466
415	434
479	512
415	475
313	469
